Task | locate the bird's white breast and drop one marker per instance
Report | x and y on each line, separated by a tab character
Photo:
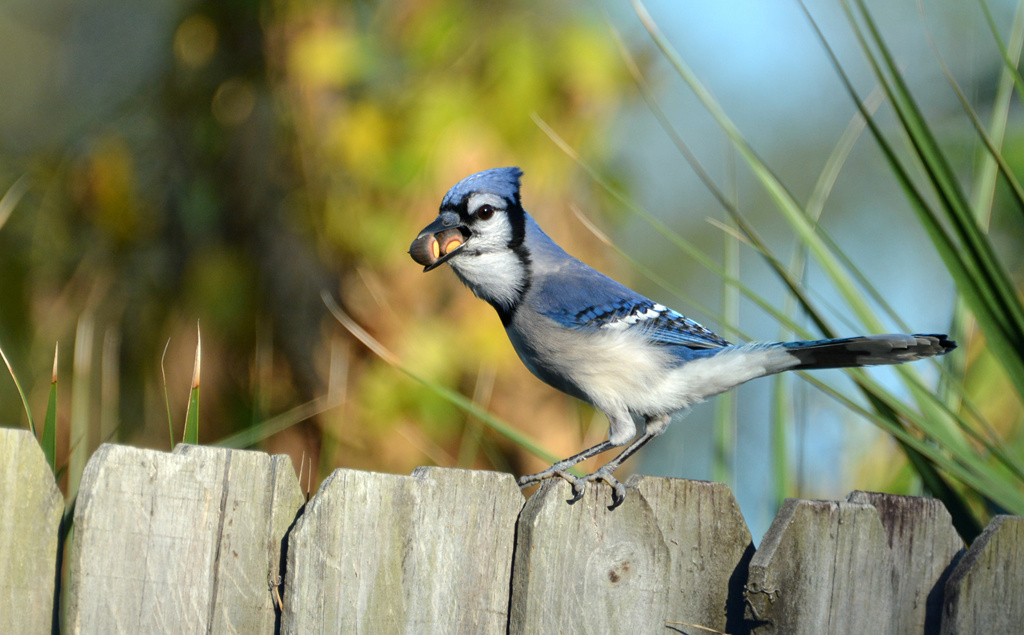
616	368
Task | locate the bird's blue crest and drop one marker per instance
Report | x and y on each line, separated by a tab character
501	181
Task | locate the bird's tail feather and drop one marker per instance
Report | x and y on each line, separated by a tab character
869	350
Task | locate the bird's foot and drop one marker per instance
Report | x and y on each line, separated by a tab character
579	486
579	483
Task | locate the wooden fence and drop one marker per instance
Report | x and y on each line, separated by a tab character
204	540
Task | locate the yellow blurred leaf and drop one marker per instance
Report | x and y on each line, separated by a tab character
325	56
358	139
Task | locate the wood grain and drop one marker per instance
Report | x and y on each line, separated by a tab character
822	567
30	516
985	592
709	549
924	548
580	569
383	553
185	542
195	541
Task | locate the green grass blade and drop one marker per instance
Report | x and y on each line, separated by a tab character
937	167
254	434
982	204
167	395
828	176
8	202
984	187
191	435
12	197
991	163
81	401
964	270
49	441
784	473
459	400
784	201
24	400
473	442
819	195
724	453
975	475
987	481
110	388
700	256
979	265
974	246
1010	60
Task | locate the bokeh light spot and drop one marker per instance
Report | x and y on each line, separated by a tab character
233	102
195	41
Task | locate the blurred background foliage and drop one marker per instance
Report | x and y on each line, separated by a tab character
173	161
225	161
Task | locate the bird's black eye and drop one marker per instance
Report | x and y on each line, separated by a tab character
485	212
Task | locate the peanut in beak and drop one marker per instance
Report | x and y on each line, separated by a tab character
427	250
451	244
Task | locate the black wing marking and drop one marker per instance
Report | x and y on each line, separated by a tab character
657	322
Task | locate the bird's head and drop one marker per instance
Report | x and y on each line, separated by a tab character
480	215
480	233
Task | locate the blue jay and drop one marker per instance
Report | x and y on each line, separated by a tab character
595	339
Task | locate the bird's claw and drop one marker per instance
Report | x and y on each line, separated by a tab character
579	488
579	484
618	489
618	495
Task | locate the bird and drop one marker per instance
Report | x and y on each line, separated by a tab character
591	337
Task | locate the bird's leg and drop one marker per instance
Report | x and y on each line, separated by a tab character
560	469
655	426
604	473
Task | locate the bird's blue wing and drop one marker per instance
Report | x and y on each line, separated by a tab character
579	297
654	321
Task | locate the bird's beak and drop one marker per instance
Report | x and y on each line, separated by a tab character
437	243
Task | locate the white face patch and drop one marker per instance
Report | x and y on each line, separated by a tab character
486	264
489	236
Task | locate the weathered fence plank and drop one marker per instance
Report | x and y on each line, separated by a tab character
822	567
183	542
924	547
709	549
985	593
192	542
665	556
580	569
381	553
29	525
